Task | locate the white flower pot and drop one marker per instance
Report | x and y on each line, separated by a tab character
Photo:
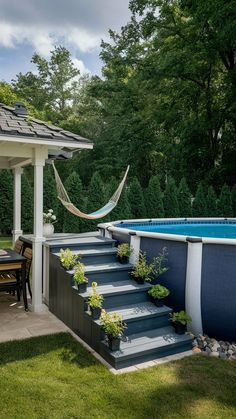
48	229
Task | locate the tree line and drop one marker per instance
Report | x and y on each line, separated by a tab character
135	202
165	104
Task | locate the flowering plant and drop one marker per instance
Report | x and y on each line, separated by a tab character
49	217
79	274
112	324
95	299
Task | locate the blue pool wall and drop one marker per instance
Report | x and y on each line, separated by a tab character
218	291
175	278
217	277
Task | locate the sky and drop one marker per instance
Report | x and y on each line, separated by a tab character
28	26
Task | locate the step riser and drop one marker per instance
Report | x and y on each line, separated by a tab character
107	277
84	246
141	325
113	301
148	356
98	259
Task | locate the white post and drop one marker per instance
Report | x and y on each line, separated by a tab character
193	286
37	240
135	245
16	232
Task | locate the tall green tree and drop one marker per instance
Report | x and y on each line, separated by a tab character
136	200
73	186
27	205
154	201
184	199
52	88
170	199
199	203
6	201
211	202
225	202
97	197
233	197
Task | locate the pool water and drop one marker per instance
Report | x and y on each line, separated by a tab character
216	229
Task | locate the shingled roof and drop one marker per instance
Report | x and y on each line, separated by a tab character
14	122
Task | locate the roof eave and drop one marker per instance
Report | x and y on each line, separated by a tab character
73	145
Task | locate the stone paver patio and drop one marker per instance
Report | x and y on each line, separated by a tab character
15	323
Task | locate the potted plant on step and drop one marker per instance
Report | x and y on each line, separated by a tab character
67	259
113	327
179	321
123	252
80	278
95	301
158	293
142	271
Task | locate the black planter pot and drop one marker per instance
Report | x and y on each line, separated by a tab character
180	328
114	344
123	259
96	313
159	302
139	280
82	287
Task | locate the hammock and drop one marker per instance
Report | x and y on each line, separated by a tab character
102	212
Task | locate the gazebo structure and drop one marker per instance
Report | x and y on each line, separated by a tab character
28	141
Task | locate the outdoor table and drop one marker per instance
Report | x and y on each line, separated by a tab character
13	261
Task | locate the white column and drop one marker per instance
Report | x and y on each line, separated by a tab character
16	232
37	240
193	286
135	245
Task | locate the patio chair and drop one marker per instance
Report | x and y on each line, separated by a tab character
18	246
27	253
11	282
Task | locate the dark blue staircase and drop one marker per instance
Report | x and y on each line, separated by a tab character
149	334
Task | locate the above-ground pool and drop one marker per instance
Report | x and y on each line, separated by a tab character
217	229
202	266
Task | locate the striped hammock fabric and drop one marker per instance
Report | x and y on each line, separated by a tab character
102	212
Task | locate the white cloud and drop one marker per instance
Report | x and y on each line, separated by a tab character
81	66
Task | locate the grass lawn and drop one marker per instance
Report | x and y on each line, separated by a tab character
54	377
5	242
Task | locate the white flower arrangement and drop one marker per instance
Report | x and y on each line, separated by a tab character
49	217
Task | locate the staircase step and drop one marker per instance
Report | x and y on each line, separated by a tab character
107	272
145	346
119	293
81	243
143	316
96	255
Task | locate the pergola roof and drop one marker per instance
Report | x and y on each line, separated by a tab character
22	128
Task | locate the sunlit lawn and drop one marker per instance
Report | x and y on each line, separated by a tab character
54	377
5	242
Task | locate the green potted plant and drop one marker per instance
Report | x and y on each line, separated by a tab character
95	301
113	327
48	220
80	278
142	271
159	261
123	252
158	293
67	259
179	321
